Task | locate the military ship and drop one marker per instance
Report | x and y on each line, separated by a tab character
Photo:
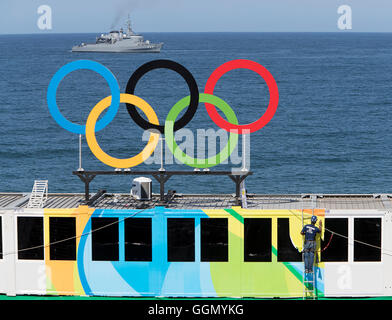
120	41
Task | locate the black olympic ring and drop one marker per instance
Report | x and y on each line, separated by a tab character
182	71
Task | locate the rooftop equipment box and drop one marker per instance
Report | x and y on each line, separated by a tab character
141	188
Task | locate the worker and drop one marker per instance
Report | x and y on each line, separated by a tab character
310	231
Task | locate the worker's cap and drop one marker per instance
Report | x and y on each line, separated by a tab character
313	219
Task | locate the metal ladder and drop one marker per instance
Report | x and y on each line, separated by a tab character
308	279
309	285
39	194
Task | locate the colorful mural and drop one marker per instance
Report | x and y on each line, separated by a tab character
159	277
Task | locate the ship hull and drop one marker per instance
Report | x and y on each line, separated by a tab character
116	49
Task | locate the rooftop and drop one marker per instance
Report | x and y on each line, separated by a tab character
207	201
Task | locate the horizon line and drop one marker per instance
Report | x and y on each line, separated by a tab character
95	32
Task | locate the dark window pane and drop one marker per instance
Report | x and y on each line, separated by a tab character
214	239
367	230
337	249
104	239
61	228
286	251
181	239
1	238
138	239
30	235
257	239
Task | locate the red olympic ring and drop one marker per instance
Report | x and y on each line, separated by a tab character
272	87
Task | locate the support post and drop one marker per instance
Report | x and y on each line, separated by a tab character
162	144
80	153
86	178
237	180
162	177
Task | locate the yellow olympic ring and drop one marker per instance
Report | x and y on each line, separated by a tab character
92	140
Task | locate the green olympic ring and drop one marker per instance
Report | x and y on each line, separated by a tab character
199	162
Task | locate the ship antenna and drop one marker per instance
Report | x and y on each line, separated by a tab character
129	31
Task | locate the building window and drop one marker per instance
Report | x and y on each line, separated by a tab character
257	239
30	235
367	230
104	239
286	250
138	239
60	229
181	239
335	249
214	239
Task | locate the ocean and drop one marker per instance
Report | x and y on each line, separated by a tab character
331	133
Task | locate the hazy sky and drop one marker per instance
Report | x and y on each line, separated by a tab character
20	16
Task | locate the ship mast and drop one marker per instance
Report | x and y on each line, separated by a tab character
129	31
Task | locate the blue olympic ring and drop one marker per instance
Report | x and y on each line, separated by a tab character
89	65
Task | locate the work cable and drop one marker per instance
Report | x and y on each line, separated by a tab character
383	251
82	235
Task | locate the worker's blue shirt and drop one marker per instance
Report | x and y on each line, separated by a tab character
310	231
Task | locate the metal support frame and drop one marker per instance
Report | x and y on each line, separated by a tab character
86	177
163	176
237	180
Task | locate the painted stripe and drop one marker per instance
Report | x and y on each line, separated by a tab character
235	214
298	275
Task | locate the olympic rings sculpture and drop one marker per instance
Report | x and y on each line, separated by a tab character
171	124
